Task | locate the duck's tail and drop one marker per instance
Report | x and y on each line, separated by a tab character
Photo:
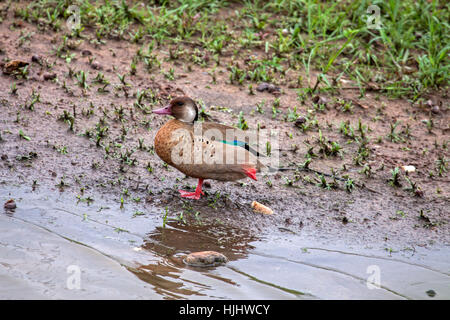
250	172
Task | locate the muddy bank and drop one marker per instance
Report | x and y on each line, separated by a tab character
77	154
92	141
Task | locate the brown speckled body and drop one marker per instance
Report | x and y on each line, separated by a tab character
168	143
164	142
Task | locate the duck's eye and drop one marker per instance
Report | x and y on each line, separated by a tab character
180	103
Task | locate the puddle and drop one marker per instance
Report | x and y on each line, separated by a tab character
52	247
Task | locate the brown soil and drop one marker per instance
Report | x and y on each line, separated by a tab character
373	211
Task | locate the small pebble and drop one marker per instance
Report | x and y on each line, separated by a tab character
13	66
205	259
431	293
86	53
435	109
272	88
207	184
36	58
262	87
300	120
49	76
319	100
95	65
10	205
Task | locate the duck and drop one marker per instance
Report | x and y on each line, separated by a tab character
203	150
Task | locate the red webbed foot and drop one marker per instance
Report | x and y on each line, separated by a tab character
190	195
193	195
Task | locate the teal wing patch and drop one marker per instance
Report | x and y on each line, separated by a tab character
242	145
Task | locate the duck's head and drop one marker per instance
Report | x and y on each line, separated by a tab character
182	108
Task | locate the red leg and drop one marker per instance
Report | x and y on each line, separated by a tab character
193	195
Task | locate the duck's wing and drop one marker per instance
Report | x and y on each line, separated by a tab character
212	151
223	161
207	156
234	136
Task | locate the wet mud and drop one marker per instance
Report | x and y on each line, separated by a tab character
90	191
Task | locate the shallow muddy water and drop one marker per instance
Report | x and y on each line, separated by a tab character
52	247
